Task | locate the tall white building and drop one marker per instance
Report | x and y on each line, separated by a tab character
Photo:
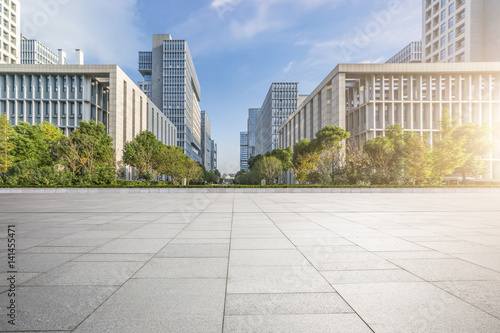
170	80
10	35
280	103
461	30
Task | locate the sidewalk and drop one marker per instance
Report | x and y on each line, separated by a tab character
253	262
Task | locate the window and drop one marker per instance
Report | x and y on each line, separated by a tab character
443	28
443	3
443	41
451	49
443	15
451	9
443	54
451	22
451	36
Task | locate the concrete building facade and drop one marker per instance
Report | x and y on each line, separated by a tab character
67	94
206	141
213	152
461	30
365	98
279	104
10	35
171	82
244	151
33	52
412	53
251	124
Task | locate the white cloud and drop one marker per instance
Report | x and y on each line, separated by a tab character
376	61
262	21
289	67
224	3
107	31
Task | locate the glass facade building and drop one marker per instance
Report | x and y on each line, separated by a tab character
252	121
171	82
244	151
281	101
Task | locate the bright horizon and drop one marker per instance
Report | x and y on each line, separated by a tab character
239	47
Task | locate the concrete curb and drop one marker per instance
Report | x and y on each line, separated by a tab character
239	190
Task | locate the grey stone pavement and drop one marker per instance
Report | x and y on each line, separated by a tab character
239	262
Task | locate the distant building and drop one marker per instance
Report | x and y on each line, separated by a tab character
412	53
171	82
206	141
279	104
64	95
10	37
33	52
244	151
251	123
213	152
461	30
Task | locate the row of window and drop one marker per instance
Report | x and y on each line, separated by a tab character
173	45
178	96
174	56
174	64
285	86
172	72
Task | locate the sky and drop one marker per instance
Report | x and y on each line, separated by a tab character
239	47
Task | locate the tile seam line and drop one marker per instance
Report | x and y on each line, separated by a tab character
132	276
354	311
430	282
228	261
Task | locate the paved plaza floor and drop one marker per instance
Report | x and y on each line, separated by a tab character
236	262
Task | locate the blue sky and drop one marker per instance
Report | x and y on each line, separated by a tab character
239	46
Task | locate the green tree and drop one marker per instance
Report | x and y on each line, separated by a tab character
254	160
192	170
6	146
418	162
141	153
386	156
171	162
329	137
270	169
448	151
89	153
211	177
301	149
285	157
476	145
35	142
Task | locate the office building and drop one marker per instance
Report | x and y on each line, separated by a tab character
67	94
213	152
10	35
279	104
412	53
244	151
33	52
365	98
171	82
251	123
461	30
206	141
